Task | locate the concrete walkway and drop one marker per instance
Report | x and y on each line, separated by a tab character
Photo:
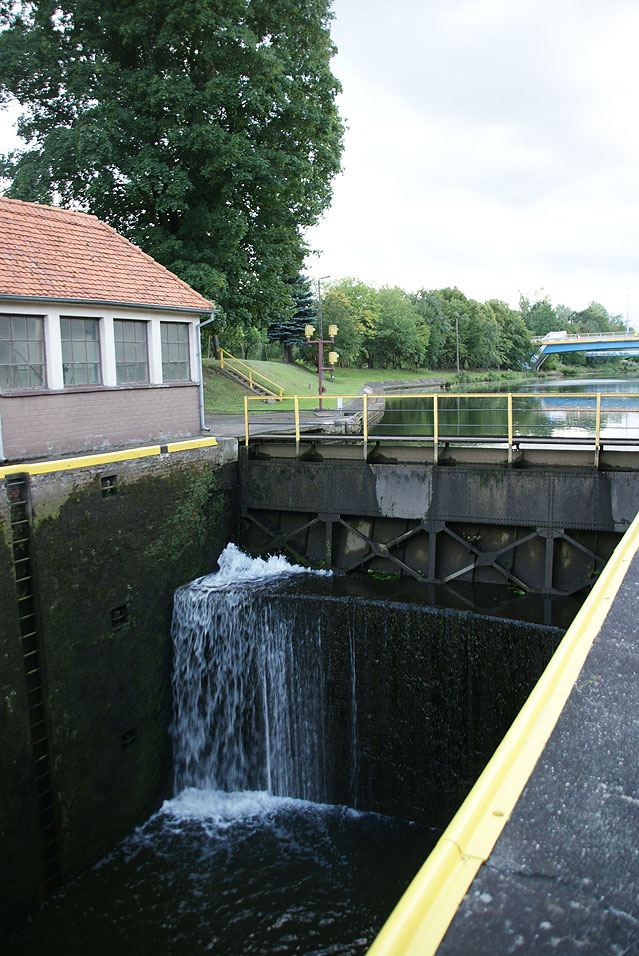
563	877
232	426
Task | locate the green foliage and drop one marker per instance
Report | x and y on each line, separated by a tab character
397	336
289	329
540	317
337	310
205	131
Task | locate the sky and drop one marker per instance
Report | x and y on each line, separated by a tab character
491	145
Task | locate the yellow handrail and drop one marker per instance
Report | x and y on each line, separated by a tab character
594	404
252	374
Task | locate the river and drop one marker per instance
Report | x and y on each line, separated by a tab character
556	408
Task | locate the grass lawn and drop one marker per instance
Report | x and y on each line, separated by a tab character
224	396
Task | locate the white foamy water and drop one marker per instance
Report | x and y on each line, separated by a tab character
236	567
248	683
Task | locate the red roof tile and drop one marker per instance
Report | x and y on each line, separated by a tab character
48	251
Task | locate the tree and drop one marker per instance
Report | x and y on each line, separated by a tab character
337	310
399	336
515	343
289	330
596	318
430	306
205	131
540	317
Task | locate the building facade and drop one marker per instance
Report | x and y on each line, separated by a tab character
99	344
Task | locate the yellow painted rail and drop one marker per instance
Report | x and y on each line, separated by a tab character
506	418
250	375
88	461
421	918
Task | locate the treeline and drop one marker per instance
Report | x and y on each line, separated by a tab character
436	328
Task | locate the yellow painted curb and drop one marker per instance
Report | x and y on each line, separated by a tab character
87	461
419	921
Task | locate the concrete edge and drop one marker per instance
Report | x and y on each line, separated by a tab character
87	461
420	920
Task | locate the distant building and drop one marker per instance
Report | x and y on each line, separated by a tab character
99	343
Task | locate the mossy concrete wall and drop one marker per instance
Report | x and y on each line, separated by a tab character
108	686
420	700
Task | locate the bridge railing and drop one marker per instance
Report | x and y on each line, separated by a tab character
587	336
498	418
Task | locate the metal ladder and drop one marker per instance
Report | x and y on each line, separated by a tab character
30	639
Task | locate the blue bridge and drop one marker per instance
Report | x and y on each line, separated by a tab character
594	343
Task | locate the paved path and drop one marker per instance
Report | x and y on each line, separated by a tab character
564	875
232	426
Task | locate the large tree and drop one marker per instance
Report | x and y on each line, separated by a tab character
205	131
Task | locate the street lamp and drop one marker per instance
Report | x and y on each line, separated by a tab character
321	342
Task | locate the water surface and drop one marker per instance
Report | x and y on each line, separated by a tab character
240	874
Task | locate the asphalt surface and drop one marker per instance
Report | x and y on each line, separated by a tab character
563	878
232	426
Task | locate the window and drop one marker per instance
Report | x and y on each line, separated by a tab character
175	352
131	352
80	351
21	351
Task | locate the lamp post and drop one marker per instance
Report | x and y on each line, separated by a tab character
321	342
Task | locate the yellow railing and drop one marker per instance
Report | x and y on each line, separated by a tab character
512	419
250	375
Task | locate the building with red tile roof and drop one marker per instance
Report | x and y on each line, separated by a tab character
60	254
99	343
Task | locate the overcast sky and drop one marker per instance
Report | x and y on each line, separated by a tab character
492	145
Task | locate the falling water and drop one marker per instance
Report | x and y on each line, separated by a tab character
240	861
248	684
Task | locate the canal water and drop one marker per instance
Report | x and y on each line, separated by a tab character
554	408
247	858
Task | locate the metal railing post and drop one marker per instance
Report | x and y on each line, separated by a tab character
435	430
221	358
246	421
297	425
597	429
365	426
510	428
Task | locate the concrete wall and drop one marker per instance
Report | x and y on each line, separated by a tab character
49	424
109	687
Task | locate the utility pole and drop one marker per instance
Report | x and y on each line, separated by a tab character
321	342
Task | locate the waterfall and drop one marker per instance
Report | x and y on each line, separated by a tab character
248	683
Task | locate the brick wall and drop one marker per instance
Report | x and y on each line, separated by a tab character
61	423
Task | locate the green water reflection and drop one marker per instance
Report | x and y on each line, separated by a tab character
541	410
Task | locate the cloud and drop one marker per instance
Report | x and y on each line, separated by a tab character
488	141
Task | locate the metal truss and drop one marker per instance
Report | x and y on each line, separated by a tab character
438	532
